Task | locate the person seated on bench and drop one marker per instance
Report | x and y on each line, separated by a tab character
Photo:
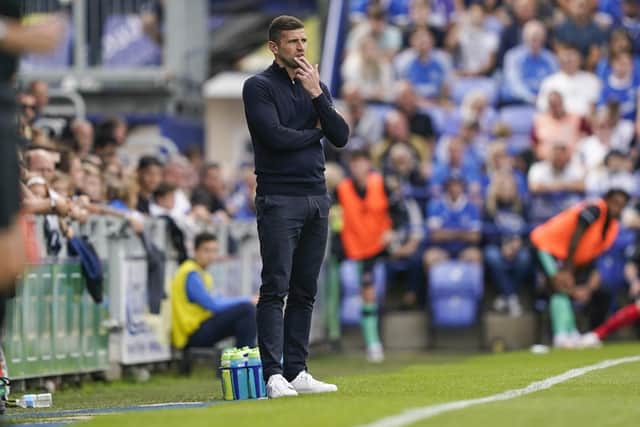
454	226
199	319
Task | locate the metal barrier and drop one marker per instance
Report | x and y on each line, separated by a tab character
54	327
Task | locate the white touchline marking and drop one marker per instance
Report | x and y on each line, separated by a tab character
414	415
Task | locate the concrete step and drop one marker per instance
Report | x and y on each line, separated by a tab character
504	333
405	330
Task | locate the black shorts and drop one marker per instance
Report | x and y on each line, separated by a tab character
9	169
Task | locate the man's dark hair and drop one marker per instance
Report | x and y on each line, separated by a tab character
204	238
148	161
103	141
207	167
359	154
376	12
283	23
163	189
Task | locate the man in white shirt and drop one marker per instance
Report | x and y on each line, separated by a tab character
555	183
560	173
579	89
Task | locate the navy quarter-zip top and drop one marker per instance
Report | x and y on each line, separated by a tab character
287	143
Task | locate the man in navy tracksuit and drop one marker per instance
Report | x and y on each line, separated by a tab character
289	111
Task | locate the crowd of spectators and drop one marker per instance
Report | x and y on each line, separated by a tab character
73	168
491	116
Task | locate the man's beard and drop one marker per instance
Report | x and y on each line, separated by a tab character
289	62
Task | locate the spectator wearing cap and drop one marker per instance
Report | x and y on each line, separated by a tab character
580	29
527	65
149	178
580	90
505	230
386	37
621	85
556	124
613	172
426	69
454	226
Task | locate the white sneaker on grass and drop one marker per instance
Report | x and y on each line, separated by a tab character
278	386
304	383
590	340
375	353
566	340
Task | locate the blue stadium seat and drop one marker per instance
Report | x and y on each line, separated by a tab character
351	301
455	290
519	118
461	87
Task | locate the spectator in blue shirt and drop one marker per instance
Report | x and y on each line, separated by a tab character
579	29
458	161
506	255
621	86
454	226
426	71
527	65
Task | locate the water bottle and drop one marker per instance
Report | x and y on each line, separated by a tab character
225	371
239	376
42	400
257	388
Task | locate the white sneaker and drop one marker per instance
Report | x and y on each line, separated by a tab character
565	340
590	340
304	383
515	309
277	387
375	353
